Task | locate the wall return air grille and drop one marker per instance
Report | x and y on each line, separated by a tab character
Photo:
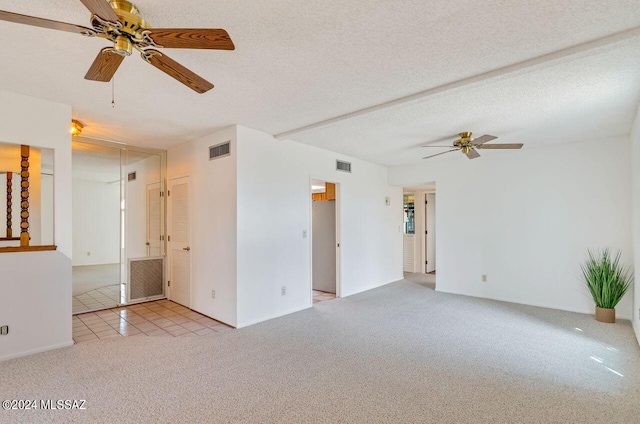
220	150
146	278
343	166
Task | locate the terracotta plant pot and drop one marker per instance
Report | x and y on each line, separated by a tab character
605	315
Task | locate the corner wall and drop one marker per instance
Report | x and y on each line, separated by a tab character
525	219
274	208
635	187
36	286
213	207
248	214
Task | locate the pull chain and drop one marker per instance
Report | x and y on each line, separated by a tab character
113	92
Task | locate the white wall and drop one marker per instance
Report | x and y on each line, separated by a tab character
525	219
635	187
274	208
248	214
213	222
96	223
36	286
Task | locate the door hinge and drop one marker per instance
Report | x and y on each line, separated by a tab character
162	194
168	238
169	283
426	232
168	193
426	203
426	262
161	238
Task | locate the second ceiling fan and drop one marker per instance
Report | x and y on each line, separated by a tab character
469	145
119	21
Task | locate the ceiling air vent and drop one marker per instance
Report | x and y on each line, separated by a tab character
343	166
131	176
220	150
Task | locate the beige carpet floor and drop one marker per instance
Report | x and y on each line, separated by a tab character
402	353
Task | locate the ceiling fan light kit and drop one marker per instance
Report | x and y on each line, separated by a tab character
469	146
120	22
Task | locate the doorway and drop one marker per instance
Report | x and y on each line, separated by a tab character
325	241
419	238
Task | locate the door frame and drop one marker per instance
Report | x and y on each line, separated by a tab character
168	262
338	236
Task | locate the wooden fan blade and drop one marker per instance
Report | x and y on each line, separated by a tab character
177	71
104	66
472	154
501	146
439	147
43	23
438	154
483	139
191	38
102	9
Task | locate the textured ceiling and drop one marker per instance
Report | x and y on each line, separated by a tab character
299	63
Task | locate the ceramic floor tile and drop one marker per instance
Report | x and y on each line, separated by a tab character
85	338
157	319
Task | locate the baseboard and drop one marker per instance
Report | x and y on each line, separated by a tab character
34	351
270	317
519	302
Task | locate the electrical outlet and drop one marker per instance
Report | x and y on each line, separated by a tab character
304	233
484	278
213	294
4	330
283	290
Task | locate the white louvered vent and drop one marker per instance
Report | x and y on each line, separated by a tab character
343	166
220	150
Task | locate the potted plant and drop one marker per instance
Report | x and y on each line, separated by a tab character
607	280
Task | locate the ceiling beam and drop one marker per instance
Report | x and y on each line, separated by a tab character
571	53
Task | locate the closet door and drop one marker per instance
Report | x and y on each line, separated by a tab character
178	242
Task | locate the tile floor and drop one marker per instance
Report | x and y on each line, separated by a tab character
104	297
158	318
320	296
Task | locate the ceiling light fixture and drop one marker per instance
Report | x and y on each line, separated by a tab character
76	128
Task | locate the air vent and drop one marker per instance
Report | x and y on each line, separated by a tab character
131	176
220	150
343	166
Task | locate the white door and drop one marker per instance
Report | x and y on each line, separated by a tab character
178	242
154	220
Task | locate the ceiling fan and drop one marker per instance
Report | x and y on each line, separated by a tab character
469	145
119	21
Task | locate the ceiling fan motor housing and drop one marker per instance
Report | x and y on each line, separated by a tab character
128	31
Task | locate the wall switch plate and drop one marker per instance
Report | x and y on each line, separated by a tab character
4	330
213	294
283	290
304	233
387	201
484	278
